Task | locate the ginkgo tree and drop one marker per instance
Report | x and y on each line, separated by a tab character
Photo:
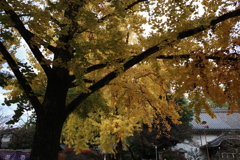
80	46
137	97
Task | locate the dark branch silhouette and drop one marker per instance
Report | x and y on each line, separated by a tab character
150	51
22	80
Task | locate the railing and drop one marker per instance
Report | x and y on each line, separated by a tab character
216	142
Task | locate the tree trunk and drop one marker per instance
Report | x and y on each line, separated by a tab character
50	117
131	152
47	137
120	155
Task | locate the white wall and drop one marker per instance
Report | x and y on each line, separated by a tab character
192	147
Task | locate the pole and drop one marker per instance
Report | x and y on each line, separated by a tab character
156	152
206	145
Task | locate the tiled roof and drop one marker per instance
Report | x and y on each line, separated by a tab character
217	141
222	122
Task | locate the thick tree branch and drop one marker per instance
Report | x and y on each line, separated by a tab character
95	67
219	19
182	35
100	66
28	37
23	82
150	51
66	53
182	56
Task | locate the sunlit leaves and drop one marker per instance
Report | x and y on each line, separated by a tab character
138	97
81	46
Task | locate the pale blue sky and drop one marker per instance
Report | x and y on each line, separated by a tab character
9	110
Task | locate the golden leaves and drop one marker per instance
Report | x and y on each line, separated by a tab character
78	132
114	129
140	95
96	34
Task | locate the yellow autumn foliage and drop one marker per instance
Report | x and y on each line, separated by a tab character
139	96
131	52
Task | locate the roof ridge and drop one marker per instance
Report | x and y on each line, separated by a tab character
219	110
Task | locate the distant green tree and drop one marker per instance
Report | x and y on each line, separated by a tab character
215	105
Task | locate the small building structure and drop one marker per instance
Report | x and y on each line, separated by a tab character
214	138
5	138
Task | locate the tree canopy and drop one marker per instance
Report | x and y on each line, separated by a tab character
76	48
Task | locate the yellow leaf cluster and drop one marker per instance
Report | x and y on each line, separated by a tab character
139	96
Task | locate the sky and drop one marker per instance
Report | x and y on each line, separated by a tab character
9	110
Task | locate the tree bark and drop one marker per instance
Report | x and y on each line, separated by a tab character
47	137
119	155
50	117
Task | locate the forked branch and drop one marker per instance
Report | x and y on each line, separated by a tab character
150	51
